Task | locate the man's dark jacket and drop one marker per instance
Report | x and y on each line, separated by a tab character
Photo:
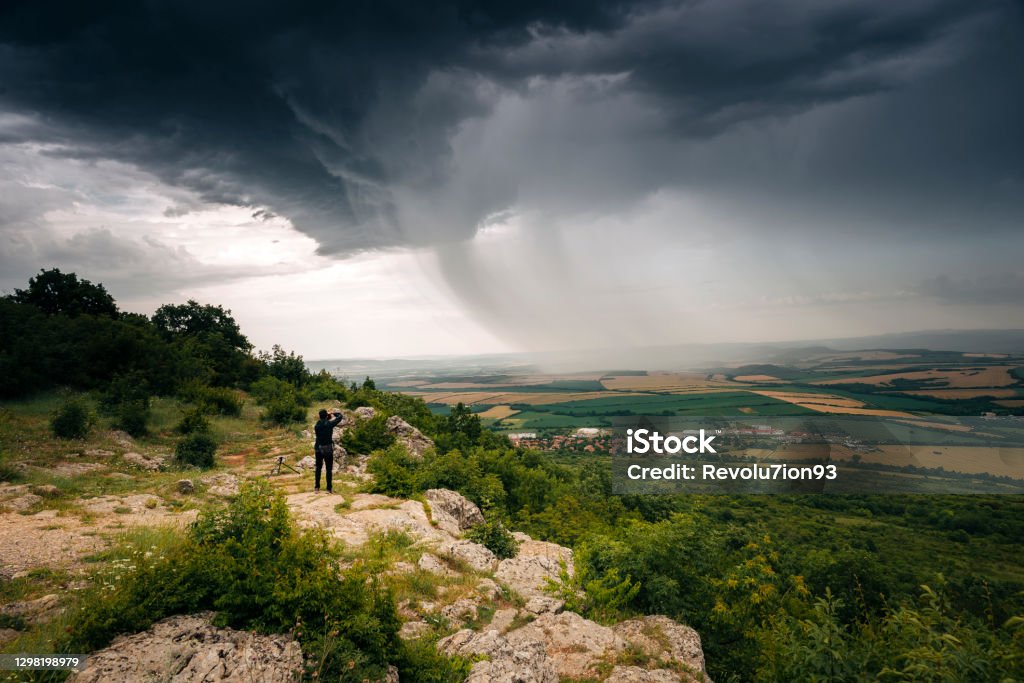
324	429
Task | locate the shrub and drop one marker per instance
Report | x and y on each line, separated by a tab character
392	472
368	436
196	450
495	537
132	387
192	422
133	417
72	420
9	474
221	401
284	410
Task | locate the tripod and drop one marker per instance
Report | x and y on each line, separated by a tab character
281	463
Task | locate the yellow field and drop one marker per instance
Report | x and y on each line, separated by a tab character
505	397
823	403
756	378
963	393
1013	403
498	412
663	381
948	426
993	376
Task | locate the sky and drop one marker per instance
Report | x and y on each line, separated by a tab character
381	179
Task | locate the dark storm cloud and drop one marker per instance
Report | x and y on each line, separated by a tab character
345	117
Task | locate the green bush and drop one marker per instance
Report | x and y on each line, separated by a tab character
283	411
392	472
72	420
221	401
368	436
196	449
133	417
257	570
212	400
9	473
193	421
495	537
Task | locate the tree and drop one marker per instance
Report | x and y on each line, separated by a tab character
193	319
57	293
286	366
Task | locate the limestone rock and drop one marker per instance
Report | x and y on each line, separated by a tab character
536	562
99	453
36	611
523	663
224	485
488	589
475	555
186	486
665	639
451	511
143	462
46	490
23	502
411	630
502	619
307	463
365	412
634	674
432	564
460	610
573	643
187	649
541	605
122	439
410	437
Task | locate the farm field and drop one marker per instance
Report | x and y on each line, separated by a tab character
887	383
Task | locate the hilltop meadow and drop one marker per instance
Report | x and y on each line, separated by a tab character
780	588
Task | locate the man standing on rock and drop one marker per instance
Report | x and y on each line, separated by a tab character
324	447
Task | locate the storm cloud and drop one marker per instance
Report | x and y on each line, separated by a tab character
617	130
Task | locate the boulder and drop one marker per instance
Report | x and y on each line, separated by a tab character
430	563
460	610
502	619
452	512
224	485
364	412
36	611
488	590
410	437
187	649
475	555
122	439
538	605
150	464
535	562
46	490
186	486
411	630
575	645
23	502
504	662
307	463
665	639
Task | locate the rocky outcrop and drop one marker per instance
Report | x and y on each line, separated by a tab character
186	486
666	640
143	462
475	555
410	437
574	644
187	649
224	485
364	412
36	611
526	662
452	512
536	562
